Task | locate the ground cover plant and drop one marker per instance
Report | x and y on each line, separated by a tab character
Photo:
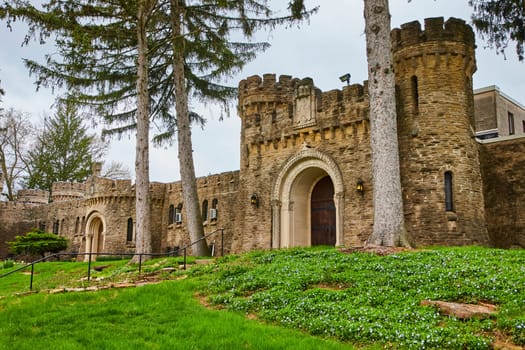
369	299
341	299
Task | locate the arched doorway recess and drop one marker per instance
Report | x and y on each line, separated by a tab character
292	199
95	233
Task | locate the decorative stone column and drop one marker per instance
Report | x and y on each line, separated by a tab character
339	201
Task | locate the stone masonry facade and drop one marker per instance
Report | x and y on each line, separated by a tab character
305	173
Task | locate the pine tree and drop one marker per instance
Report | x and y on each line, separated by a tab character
500	23
99	42
389	223
63	151
201	32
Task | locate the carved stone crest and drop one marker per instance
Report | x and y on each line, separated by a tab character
305	104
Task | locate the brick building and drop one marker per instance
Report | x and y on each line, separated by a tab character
305	173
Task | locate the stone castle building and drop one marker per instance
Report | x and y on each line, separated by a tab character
305	173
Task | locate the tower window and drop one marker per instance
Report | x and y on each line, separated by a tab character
511	123
178	214
171	214
129	232
415	93
205	210
449	200
213	211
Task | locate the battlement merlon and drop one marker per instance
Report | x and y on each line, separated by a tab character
267	89
454	29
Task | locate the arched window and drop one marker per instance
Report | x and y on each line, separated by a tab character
213	211
77	225
449	199
129	232
171	214
205	210
56	227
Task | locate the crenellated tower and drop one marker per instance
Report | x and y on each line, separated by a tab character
292	136
440	169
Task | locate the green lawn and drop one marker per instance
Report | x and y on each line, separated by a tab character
285	299
163	316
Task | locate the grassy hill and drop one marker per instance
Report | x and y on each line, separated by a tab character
285	299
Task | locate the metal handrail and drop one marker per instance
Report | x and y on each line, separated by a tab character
90	254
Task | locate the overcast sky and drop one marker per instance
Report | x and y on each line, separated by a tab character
331	44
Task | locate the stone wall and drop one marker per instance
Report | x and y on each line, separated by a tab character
503	169
221	193
17	219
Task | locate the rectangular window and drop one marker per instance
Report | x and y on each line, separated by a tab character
523	124
449	201
511	124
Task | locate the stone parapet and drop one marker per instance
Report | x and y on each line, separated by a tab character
33	196
436	29
65	191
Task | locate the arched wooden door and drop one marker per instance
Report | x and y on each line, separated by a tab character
323	219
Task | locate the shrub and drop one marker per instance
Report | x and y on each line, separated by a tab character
8	263
37	242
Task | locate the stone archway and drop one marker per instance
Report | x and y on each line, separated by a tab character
95	234
291	198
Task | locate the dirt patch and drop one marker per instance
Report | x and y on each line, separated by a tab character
334	287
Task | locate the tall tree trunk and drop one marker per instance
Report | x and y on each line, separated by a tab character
389	223
187	169
142	194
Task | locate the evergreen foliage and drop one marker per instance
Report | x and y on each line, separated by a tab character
500	23
97	49
37	242
101	47
63	151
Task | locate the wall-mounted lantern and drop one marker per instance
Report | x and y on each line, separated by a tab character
360	187
254	201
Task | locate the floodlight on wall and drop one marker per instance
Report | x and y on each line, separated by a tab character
345	78
254	201
360	187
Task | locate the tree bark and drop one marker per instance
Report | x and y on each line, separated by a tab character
389	225
187	170
142	194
